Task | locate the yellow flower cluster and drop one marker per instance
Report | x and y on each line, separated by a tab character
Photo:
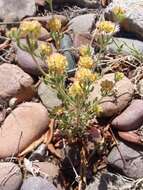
84	50
75	89
45	49
30	27
84	75
86	62
54	24
57	63
118	10
106	27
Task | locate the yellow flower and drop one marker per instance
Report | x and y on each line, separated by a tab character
119	12
98	110
45	49
75	89
84	50
119	76
57	63
54	24
84	74
86	62
106	86
106	27
30	27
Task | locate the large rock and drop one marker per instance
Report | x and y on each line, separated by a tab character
10	176
82	23
48	95
26	62
112	105
37	183
22	126
133	21
12	80
132	166
12	10
125	46
131	118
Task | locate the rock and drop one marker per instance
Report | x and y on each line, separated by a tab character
13	80
10	176
44	34
132	155
82	23
131	118
48	168
140	87
22	126
111	105
26	62
66	43
37	183
125	46
109	181
133	16
12	10
81	39
82	3
39	153
48	96
40	2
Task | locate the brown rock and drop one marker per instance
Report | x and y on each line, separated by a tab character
81	39
13	79
22	126
131	118
112	105
10	176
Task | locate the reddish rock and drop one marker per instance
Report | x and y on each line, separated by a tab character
22	126
12	80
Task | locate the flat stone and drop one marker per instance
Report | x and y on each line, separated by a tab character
132	155
37	183
10	176
13	79
127	46
111	105
133	21
82	23
22	126
12	10
48	95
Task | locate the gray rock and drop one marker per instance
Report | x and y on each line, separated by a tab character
12	10
113	105
132	166
131	118
37	183
13	79
133	21
125	46
82	23
48	96
22	126
10	176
